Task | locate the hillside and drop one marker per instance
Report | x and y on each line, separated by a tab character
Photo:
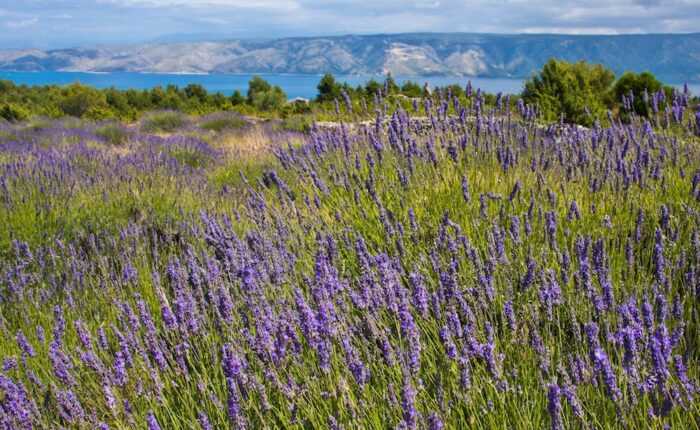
673	57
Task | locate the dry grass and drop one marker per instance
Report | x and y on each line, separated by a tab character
253	144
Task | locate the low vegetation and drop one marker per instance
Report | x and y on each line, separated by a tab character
462	260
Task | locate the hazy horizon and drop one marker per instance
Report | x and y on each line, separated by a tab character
55	24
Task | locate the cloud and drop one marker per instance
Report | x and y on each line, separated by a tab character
236	4
427	4
21	23
131	21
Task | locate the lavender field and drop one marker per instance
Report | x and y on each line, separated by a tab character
450	265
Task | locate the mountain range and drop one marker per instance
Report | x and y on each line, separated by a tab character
672	57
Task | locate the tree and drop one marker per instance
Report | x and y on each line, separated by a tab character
411	89
237	98
257	86
263	96
578	92
196	91
390	86
79	99
455	89
328	89
640	86
372	87
117	100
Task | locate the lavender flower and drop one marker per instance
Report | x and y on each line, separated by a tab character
554	406
151	422
509	314
24	345
408	399
466	195
434	422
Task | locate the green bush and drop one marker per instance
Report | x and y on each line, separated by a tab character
79	99
263	96
270	100
636	85
13	113
220	124
298	123
236	98
411	89
113	134
328	89
165	122
577	92
99	113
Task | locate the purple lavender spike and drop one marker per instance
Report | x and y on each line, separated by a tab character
408	400
24	344
151	422
554	406
434	422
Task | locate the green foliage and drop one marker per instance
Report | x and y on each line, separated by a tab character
196	91
455	90
390	85
577	92
270	100
191	157
237	98
99	113
261	100
114	134
263	96
83	101
165	122
328	89
225	123
257	86
297	107
372	87
411	89
298	123
79	99
13	113
640	86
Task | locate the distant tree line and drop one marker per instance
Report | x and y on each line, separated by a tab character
19	102
572	92
330	90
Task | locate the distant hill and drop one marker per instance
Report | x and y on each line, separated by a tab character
672	57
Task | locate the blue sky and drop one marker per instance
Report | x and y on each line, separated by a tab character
66	23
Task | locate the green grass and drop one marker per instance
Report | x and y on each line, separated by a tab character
222	124
114	134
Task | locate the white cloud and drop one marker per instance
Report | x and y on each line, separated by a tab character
213	20
129	21
22	23
238	4
427	4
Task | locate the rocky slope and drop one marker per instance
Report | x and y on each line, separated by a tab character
674	57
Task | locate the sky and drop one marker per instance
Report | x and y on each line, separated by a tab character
73	23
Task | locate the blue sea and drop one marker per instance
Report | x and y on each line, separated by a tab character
295	85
